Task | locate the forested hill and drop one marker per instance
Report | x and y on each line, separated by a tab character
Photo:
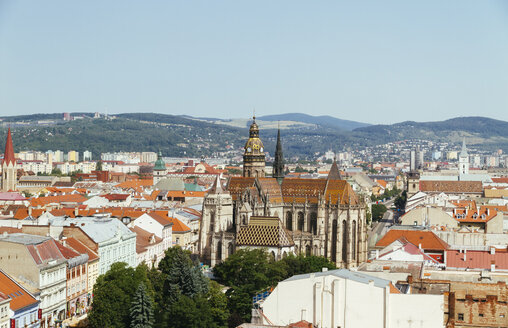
185	136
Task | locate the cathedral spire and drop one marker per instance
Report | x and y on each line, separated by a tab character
463	152
9	150
278	163
217	186
334	171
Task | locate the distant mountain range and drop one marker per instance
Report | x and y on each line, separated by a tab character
303	135
325	120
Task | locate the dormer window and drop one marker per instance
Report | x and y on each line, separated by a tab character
483	216
475	216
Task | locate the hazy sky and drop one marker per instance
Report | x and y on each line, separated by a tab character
371	61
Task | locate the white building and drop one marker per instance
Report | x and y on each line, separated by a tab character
344	298
87	155
116	243
157	225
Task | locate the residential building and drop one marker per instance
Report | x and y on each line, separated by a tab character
149	248
77	280
431	244
157	224
106	236
38	264
93	262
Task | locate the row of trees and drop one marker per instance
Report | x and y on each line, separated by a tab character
177	294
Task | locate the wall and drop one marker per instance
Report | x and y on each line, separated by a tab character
406	311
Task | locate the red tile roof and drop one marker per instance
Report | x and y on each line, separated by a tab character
427	239
42	201
80	248
19	296
477	259
111	197
500	180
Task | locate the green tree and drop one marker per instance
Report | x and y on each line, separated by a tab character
185	297
306	264
98	167
378	210
114	293
142	309
181	275
187	312
249	271
400	201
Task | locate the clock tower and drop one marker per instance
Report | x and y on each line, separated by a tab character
254	156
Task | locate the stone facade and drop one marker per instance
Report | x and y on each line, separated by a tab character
322	216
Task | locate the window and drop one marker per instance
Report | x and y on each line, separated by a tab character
460	316
480	315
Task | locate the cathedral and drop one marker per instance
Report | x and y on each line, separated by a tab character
282	215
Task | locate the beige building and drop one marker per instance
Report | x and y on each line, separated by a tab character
37	263
429	216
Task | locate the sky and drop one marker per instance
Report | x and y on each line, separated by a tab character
369	61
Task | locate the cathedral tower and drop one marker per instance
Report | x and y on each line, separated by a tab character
254	156
9	165
278	163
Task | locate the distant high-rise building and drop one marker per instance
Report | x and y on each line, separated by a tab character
87	155
67	116
73	156
58	156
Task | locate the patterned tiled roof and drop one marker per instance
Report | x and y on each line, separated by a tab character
296	190
456	187
264	231
270	187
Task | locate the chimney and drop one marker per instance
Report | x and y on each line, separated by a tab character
493	251
377	254
420	246
493	266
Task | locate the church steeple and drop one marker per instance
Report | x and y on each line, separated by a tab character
254	156
334	173
9	165
278	163
9	150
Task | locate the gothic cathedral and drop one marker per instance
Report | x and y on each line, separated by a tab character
282	215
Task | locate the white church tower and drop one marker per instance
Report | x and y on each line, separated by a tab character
463	161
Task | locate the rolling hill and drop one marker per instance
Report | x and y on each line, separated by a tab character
186	136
